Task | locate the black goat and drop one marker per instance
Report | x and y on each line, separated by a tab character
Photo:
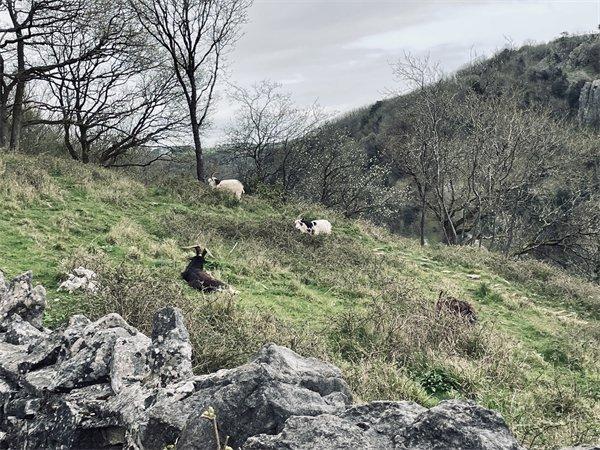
197	278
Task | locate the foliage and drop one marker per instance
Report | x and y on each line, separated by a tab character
340	175
195	37
265	142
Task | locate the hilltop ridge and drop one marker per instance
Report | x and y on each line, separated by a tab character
550	74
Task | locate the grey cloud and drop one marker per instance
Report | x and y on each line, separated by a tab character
339	51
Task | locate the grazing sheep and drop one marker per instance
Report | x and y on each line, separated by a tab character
313	227
233	186
197	278
457	307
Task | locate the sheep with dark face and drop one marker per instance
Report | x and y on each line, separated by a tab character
451	305
313	227
233	186
197	278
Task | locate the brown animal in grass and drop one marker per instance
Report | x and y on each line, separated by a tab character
457	307
197	278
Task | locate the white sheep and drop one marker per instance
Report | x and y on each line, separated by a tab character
313	227
233	186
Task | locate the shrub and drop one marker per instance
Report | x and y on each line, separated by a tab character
438	381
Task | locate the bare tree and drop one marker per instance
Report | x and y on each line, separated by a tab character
340	175
269	132
118	100
421	143
195	34
30	27
488	169
561	220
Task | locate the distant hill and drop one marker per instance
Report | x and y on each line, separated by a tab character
556	83
551	74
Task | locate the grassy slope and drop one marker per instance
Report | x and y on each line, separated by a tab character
54	215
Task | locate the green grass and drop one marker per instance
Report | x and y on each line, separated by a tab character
361	298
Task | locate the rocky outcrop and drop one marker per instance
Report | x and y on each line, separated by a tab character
20	299
81	279
589	104
105	385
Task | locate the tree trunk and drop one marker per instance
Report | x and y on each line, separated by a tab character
3	121
68	145
85	145
3	105
422	223
198	151
17	117
193	107
17	110
449	233
510	232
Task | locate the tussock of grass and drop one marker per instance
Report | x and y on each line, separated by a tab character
361	298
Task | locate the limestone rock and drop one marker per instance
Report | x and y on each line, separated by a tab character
20	297
129	361
384	417
42	353
582	447
589	104
458	424
10	357
261	395
81	279
394	425
75	329
170	356
202	436
20	332
91	354
310	373
324	432
3	285
371	426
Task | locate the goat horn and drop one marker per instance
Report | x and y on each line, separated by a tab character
198	246
213	174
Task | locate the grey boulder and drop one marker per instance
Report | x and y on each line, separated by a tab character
324	432
371	426
452	425
455	424
20	297
170	357
261	395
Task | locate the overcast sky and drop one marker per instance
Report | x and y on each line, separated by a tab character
337	52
